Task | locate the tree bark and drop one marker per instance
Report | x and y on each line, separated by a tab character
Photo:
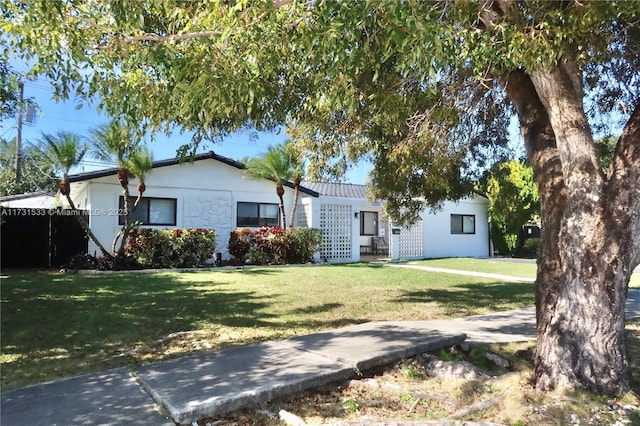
586	253
124	232
296	195
283	214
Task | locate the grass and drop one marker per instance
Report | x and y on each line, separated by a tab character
491	266
59	325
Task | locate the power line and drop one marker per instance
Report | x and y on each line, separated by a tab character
8	130
37	86
66	119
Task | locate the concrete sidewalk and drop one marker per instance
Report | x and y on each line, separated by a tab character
187	389
500	277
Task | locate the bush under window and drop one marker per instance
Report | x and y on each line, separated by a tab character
171	248
274	245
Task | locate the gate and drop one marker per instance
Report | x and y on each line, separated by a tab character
336	224
40	238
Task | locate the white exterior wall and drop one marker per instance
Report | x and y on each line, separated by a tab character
38	202
440	242
206	193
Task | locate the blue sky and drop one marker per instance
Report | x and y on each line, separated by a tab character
53	116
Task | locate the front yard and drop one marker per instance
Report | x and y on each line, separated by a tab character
59	325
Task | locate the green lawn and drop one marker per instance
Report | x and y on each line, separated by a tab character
491	266
527	270
56	325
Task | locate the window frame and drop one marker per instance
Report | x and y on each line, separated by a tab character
148	201
375	222
462	217
258	206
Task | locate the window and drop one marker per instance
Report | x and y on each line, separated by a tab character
463	224
151	211
368	223
258	214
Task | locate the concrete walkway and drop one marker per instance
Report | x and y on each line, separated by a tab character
500	277
187	389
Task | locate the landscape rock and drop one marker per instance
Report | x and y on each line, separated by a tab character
497	360
436	367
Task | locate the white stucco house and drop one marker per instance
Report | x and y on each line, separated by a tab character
213	192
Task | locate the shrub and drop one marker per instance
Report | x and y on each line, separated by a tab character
175	248
274	245
240	242
530	247
303	244
102	263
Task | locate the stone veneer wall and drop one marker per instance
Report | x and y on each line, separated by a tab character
212	211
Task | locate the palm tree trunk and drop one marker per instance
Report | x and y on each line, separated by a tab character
296	194
86	228
127	229
280	192
124	232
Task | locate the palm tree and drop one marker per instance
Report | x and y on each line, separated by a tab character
140	165
66	150
277	165
113	143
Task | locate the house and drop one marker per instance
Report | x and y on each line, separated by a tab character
354	226
213	192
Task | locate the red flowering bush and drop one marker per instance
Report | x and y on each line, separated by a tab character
274	245
175	248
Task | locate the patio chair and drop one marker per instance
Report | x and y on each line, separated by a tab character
380	246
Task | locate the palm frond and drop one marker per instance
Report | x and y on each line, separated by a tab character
275	164
113	143
64	150
140	163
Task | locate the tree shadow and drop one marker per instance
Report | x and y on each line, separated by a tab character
325	307
57	325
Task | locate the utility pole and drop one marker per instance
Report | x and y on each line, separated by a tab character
19	135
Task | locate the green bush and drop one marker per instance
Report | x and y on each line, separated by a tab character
503	241
171	248
274	245
530	247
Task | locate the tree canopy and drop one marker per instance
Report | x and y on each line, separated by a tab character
514	201
36	171
425	89
399	81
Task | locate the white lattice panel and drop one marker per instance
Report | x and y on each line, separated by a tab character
411	241
336	224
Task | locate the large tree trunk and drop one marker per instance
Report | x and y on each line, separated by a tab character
585	257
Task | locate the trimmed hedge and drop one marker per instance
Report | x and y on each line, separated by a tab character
171	248
274	245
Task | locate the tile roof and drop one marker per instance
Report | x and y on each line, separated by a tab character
346	190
